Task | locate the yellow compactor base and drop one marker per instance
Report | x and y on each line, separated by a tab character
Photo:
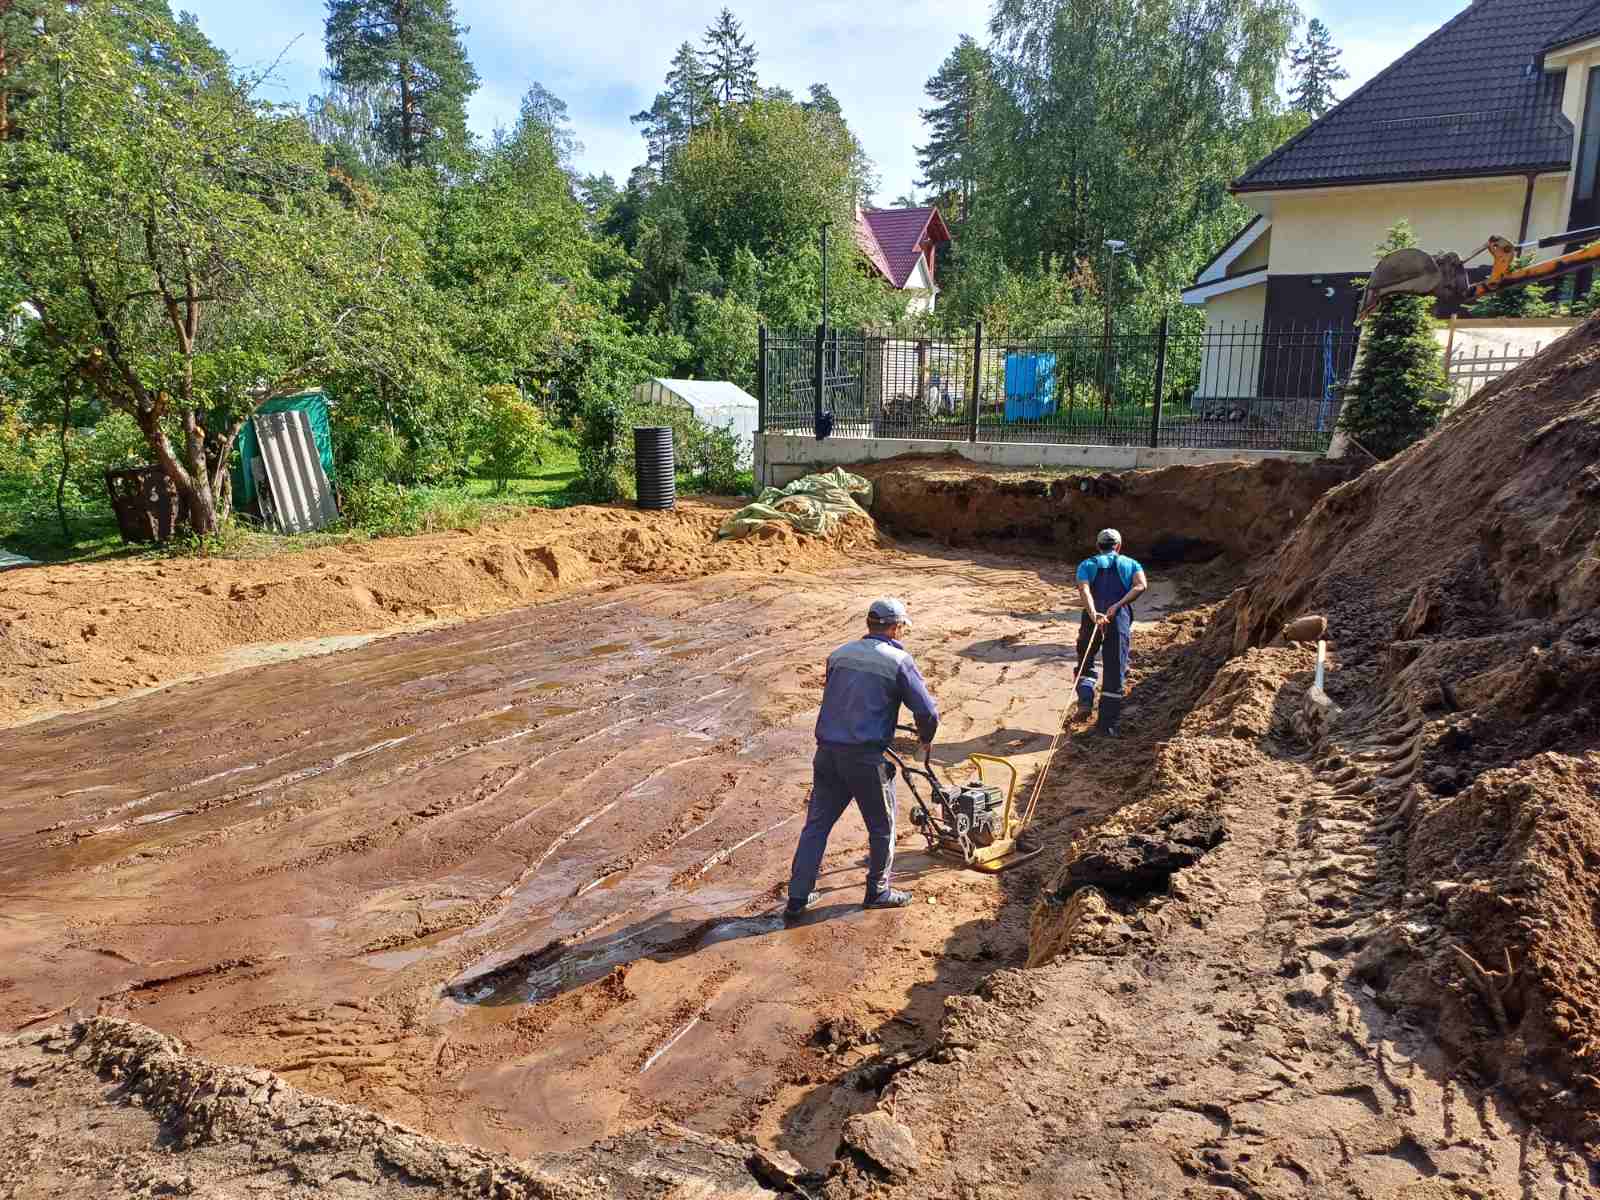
1003	854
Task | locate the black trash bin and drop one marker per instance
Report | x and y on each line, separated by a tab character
654	467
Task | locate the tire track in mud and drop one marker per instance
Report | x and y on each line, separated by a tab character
590	823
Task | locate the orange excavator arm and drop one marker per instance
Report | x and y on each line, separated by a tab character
1444	276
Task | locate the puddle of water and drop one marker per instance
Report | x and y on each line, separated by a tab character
394	960
741	927
608	648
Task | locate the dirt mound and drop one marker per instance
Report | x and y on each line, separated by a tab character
118	1104
1460	582
74	635
1170	515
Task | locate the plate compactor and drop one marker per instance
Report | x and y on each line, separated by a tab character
976	823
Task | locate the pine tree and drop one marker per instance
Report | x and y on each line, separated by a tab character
949	159
824	101
676	112
546	112
1315	62
689	90
412	47
1400	392
730	61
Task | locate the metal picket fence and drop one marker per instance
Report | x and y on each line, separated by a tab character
1231	388
1471	373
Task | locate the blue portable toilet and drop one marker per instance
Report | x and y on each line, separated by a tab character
1030	386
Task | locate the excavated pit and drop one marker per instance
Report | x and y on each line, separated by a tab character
1168	516
514	883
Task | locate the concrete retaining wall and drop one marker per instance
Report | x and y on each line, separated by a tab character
783	458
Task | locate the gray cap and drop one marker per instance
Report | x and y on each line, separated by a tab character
1108	538
889	611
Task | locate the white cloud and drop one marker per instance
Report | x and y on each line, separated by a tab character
608	64
608	60
1369	42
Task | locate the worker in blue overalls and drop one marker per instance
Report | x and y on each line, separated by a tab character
1108	584
866	683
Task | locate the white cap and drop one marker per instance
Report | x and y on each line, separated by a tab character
1107	538
889	611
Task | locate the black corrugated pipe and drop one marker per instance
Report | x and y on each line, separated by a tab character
654	467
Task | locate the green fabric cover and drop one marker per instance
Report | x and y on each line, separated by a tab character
812	504
315	406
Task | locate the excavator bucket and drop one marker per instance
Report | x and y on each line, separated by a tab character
1415	273
1403	273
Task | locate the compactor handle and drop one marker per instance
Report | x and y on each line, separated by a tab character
927	756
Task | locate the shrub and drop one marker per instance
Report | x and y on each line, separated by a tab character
1400	390
513	436
604	423
115	443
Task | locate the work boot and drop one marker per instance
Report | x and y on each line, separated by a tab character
1085	699
796	909
888	898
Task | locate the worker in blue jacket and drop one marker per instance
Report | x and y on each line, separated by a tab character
1108	584
867	682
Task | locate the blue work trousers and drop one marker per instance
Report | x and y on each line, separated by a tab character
840	774
1113	646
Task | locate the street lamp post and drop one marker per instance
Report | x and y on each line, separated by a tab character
1115	247
825	225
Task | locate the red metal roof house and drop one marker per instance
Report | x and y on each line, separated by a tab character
902	245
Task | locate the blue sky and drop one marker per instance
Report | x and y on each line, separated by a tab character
607	60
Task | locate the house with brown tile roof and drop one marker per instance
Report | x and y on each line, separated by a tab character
902	245
1491	125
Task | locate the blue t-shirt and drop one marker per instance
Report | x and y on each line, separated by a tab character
1127	569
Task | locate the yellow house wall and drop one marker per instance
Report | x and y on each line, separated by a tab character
1335	230
1232	366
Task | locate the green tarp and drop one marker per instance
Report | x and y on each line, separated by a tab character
315	406
811	504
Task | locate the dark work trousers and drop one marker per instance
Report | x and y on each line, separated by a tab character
840	774
1113	647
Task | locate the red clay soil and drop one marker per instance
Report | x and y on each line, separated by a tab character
75	635
1171	515
515	882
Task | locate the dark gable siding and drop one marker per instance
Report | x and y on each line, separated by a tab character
1468	100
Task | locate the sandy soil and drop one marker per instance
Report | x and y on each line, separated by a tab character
514	882
109	1108
75	636
1227	1033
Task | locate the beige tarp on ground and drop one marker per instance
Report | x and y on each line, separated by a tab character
811	504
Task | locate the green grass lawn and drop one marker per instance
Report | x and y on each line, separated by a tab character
424	509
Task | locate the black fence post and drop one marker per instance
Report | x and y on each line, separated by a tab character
977	381
817	374
761	378
1161	380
